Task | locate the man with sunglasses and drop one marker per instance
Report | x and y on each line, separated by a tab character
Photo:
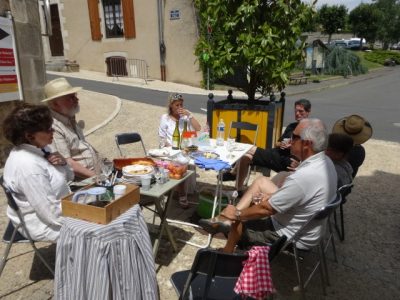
282	211
277	159
68	139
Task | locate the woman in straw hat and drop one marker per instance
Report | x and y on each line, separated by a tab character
360	131
37	178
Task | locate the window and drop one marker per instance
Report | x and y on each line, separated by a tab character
113	18
119	19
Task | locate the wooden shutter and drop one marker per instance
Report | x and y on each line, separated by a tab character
129	19
94	20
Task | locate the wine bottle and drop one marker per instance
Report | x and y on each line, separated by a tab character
176	138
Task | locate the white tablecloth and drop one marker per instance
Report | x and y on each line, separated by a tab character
113	261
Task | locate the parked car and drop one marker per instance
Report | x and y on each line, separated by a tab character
339	43
395	46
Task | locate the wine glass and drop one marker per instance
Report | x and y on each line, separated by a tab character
162	142
106	168
230	145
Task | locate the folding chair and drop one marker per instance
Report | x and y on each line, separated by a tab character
243	126
320	215
246	126
213	274
13	205
344	190
128	138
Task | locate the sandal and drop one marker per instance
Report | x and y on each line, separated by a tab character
183	202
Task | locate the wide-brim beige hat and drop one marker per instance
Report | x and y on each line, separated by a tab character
57	88
355	126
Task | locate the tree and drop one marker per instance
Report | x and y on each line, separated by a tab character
365	21
260	38
332	18
390	23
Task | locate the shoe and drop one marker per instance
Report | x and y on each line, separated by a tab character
215	225
19	238
228	177
183	202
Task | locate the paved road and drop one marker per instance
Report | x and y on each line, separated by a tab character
144	95
376	99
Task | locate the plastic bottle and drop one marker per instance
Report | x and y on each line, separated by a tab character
176	137
220	133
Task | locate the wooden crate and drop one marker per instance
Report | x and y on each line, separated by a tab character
101	215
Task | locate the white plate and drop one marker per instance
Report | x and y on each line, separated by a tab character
159	152
135	171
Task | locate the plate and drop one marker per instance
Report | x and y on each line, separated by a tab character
136	181
159	152
205	154
136	170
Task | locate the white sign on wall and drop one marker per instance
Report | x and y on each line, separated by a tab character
10	87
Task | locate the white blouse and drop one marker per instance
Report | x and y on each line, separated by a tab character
167	127
38	187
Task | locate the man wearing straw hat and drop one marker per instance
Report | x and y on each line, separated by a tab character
68	139
360	131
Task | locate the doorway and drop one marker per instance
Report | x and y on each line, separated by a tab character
55	40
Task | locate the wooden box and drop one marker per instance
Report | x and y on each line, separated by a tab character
101	215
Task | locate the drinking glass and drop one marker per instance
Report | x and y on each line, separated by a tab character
230	145
106	168
162	143
257	197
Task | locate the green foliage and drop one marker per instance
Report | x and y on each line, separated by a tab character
390	23
258	37
343	62
364	21
332	18
382	55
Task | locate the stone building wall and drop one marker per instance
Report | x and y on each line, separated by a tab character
27	29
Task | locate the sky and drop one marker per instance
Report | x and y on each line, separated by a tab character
350	4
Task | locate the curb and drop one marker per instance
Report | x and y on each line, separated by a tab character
109	119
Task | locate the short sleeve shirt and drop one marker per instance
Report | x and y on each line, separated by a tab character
310	188
69	141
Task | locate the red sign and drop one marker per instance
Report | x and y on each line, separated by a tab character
8	79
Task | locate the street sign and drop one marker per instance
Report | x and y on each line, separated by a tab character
10	87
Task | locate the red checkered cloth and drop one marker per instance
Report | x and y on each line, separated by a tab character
255	280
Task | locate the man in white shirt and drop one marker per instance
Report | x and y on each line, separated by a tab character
310	188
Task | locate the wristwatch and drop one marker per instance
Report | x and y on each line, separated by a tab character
238	213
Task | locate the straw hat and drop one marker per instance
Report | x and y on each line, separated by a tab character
57	88
355	126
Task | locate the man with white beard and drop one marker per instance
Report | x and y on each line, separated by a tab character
68	138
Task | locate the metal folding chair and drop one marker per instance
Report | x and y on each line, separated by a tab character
13	205
344	190
246	126
321	264
129	138
213	274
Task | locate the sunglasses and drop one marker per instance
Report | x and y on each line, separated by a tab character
295	137
177	97
48	130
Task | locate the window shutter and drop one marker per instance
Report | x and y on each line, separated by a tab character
94	20
129	19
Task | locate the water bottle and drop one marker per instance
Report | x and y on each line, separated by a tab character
220	133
